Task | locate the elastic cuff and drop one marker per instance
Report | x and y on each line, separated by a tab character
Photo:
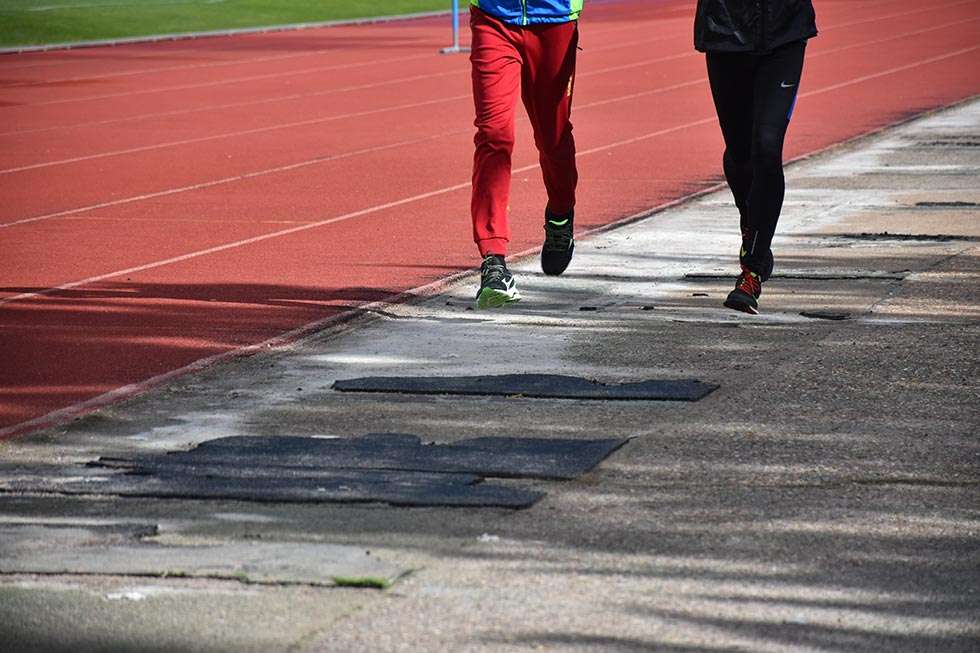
495	246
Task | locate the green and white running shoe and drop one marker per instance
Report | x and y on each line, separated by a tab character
497	286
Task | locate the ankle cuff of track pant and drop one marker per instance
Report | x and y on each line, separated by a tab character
496	246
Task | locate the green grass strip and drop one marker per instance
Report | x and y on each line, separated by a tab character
43	22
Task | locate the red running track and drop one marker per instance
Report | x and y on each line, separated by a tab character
165	205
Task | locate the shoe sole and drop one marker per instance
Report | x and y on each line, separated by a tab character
490	298
741	305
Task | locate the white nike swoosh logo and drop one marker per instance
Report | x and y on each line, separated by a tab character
785	85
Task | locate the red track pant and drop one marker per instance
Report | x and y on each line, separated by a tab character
538	63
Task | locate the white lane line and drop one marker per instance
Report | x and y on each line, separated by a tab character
244	132
235	178
455	187
131	221
890	71
160	69
235	105
241	243
233	80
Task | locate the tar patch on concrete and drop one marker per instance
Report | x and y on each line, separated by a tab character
39	548
836	316
390	468
948	205
541	386
884	235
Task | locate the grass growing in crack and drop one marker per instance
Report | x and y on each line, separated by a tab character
370	582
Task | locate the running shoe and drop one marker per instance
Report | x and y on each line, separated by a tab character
556	253
745	297
497	286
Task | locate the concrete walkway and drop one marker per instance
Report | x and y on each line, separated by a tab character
825	498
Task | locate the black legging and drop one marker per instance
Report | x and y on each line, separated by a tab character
754	95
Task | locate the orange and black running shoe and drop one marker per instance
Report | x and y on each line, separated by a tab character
745	297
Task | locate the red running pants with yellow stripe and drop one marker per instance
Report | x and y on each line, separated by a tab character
537	63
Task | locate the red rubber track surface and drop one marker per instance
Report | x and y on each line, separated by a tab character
164	204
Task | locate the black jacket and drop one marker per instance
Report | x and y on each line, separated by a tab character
752	25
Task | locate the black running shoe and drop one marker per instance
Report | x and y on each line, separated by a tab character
556	253
745	297
497	287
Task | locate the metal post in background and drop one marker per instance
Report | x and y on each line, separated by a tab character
455	47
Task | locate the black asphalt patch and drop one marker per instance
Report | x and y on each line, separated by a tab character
501	457
541	386
226	483
884	235
948	205
389	468
826	315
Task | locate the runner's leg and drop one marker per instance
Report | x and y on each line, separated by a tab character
732	79
776	85
496	71
548	82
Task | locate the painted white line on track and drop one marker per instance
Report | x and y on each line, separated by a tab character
235	105
243	242
227	180
455	187
890	71
234	80
162	69
244	132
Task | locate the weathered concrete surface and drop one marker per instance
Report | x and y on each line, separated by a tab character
118	550
827	497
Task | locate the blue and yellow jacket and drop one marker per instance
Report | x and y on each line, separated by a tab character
531	12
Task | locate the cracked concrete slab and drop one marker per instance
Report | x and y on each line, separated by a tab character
123	550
